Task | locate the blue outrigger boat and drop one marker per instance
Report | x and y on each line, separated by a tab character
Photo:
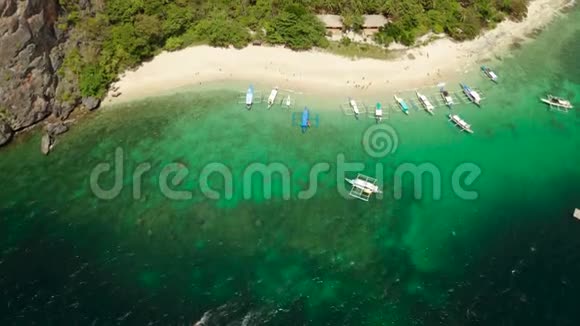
472	95
305	124
402	104
250	97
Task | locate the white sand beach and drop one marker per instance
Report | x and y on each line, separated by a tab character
324	73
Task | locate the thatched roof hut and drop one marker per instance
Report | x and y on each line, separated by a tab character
371	22
331	21
374	21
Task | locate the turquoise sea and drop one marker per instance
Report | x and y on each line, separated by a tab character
508	256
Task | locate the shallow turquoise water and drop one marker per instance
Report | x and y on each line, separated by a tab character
508	257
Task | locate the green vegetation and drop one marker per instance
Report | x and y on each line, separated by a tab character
220	31
353	21
297	28
461	20
119	34
357	50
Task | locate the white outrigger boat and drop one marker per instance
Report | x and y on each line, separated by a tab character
447	99
557	102
354	106
272	97
288	100
490	74
402	104
250	97
472	95
378	112
460	123
363	187
426	103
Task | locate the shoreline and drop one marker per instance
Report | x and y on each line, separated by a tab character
315	71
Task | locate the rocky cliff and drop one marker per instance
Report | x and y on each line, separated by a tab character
29	59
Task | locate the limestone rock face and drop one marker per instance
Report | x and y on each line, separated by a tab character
46	144
28	61
91	103
56	128
6	132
